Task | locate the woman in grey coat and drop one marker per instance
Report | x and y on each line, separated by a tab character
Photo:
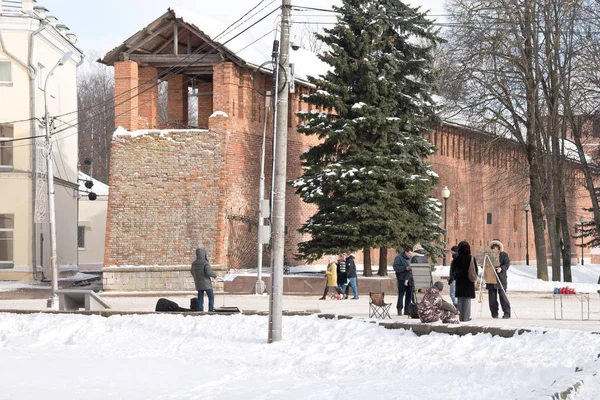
203	276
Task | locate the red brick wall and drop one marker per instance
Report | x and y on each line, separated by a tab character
164	196
210	197
177	100
148	99
205	103
126	94
486	176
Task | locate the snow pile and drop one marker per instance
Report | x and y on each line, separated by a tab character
219	114
120	131
227	357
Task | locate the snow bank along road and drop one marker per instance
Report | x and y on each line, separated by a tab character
227	357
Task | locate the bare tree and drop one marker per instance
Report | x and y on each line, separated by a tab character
514	60
308	39
494	50
582	101
95	102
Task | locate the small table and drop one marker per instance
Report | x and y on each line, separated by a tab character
582	297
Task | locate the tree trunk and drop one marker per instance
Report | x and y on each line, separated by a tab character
367	270
553	234
382	262
537	218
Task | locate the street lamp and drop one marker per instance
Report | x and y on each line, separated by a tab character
527	208
445	195
581	222
53	300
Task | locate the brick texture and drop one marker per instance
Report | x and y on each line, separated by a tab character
173	192
126	94
148	99
205	103
177	101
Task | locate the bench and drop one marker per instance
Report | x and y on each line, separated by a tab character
70	299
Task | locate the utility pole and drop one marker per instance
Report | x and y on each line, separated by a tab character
263	211
53	300
278	217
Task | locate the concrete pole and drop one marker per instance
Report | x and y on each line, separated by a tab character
53	300
278	220
259	285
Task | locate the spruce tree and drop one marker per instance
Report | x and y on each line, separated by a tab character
368	176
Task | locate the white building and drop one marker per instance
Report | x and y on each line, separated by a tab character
31	44
92	224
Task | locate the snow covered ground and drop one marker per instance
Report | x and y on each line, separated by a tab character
227	357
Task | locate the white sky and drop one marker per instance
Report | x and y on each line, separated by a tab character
101	26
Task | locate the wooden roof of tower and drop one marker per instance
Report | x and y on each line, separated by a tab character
171	42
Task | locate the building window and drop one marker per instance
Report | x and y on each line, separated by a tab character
40	77
81	237
6	147
489	218
7	228
5	73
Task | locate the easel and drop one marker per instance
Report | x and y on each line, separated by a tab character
487	261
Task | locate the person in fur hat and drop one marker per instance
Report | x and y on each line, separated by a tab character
500	286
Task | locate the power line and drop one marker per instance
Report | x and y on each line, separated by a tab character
156	84
16	122
186	81
218	47
189	79
174	69
451	16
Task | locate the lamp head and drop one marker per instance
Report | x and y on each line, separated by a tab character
527	207
65	58
445	192
581	220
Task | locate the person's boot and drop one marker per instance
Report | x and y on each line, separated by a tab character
406	311
324	295
399	311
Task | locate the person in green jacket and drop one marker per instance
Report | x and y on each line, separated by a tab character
203	276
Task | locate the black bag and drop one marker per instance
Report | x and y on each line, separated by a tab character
193	303
166	305
413	307
413	310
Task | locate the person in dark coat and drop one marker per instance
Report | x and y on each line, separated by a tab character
342	276
465	289
452	282
403	276
203	276
499	289
352	275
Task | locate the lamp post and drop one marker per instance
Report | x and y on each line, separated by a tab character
445	195
53	300
527	208
581	222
